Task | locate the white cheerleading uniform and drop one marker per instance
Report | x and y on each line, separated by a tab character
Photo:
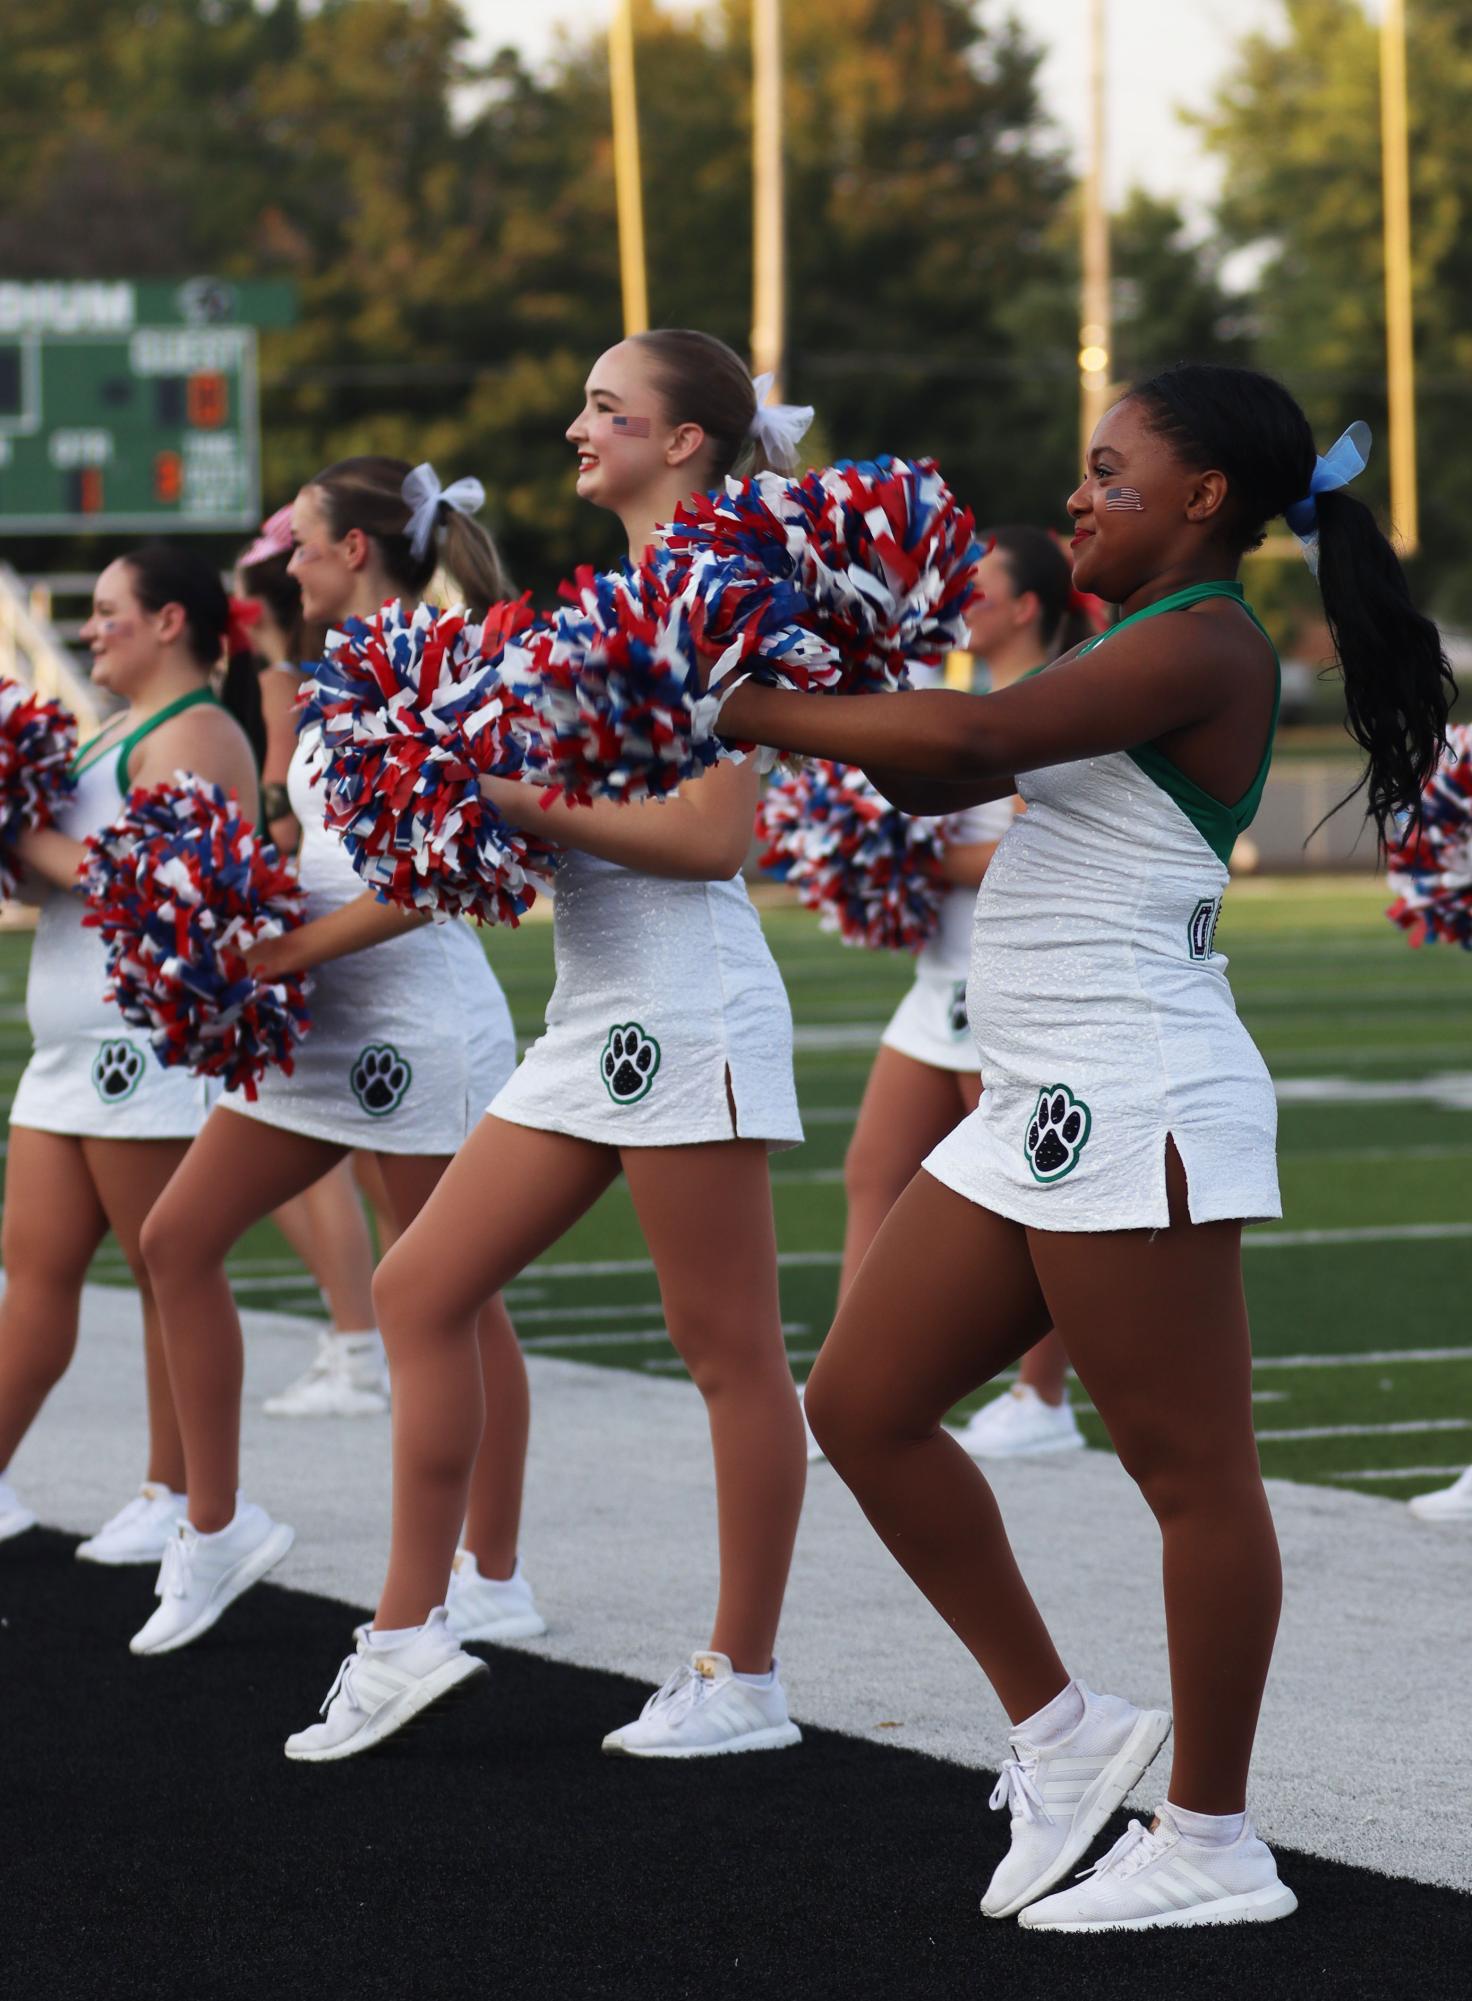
1103	1020
92	1074
930	1024
668	1009
408	1037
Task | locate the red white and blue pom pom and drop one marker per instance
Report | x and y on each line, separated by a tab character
38	740
1430	865
838	580
613	683
412	712
874	873
180	885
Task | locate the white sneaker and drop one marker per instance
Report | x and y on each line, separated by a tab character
139	1532
1159	1876
815	1450
1059	1798
1447	1504
202	1574
490	1608
379	1689
15	1516
1019	1425
702	1710
348	1378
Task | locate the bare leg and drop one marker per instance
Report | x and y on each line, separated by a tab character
946	1298
908	1108
367	1171
456	1254
54	1222
129	1176
1045	1369
327	1229
706	1213
237	1171
1156	1325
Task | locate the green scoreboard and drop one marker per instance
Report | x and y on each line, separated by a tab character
132	405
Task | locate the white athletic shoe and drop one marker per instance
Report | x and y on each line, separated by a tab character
202	1574
347	1378
704	1709
379	1689
815	1450
15	1516
1019	1425
1446	1504
1159	1876
139	1532
1059	1798
490	1608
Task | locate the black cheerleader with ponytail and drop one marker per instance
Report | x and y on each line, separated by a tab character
1398	687
167	573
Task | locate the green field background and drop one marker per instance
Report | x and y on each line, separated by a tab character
1360	1297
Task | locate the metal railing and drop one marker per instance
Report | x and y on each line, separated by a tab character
32	653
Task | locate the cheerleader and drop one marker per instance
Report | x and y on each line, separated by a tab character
925	1075
1126	1131
410	1032
667	1056
325	1224
98	1125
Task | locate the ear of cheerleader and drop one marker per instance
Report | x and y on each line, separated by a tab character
778	428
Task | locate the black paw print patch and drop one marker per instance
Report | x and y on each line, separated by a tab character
960	1025
380	1079
628	1064
1057	1133
117	1070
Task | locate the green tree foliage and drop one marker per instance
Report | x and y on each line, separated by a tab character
1297	128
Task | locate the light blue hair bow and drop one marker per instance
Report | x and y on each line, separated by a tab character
1345	460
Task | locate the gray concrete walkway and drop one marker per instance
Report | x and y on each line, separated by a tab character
1365	1753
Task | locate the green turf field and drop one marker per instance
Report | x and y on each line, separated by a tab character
1359	1297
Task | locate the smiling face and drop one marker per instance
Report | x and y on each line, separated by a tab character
623	435
326	569
1139	511
127	641
998	615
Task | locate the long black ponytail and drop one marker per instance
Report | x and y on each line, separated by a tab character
1398	686
167	573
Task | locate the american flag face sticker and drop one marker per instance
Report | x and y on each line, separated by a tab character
632	427
1123	500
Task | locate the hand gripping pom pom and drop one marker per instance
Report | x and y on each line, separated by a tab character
413	711
179	886
1430	863
38	740
873	872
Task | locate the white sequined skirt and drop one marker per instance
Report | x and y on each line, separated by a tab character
669	1024
930	1024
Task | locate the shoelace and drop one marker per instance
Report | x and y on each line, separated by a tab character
1135	1847
343	1684
1017	1789
173	1572
682	1692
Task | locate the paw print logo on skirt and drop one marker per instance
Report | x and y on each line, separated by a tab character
628	1064
117	1070
1056	1133
380	1079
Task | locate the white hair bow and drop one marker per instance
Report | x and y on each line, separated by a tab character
422	495
778	427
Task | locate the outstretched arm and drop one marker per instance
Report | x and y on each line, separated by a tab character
702	834
352	927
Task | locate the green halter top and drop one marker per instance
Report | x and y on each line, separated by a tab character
91	754
1218	824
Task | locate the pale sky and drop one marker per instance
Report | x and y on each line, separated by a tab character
1163	54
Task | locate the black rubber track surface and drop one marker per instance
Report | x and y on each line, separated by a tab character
154	1843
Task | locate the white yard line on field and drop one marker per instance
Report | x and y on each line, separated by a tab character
1404	1428
1401	1473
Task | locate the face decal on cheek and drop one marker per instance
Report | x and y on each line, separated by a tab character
630	427
1123	500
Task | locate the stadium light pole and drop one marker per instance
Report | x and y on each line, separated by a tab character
1400	362
628	189
768	274
1094	332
